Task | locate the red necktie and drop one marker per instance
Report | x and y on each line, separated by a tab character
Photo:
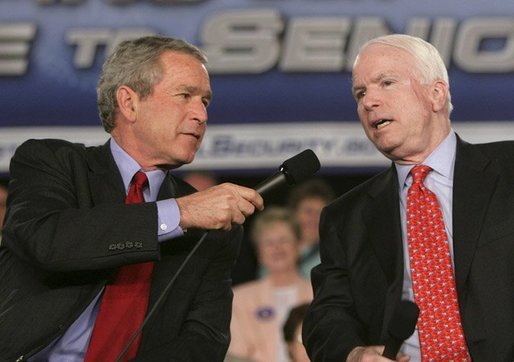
439	325
124	302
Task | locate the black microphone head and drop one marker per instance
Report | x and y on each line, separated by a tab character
300	167
404	320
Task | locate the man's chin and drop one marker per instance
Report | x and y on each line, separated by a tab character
387	150
176	163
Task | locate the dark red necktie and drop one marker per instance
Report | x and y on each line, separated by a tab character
439	325
124	303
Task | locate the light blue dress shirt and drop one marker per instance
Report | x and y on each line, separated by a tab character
72	346
440	182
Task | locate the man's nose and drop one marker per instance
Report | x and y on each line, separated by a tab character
200	112
371	99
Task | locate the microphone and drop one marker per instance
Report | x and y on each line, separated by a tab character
401	327
292	171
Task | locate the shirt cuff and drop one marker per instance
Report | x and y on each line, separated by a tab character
168	219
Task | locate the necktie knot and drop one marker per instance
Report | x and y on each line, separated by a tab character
419	172
135	193
139	179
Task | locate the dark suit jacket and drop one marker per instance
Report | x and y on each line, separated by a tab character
359	280
68	228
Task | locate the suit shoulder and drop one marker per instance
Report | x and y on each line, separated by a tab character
498	149
52	143
501	153
39	148
54	154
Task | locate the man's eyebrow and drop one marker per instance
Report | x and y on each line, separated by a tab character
357	88
194	90
377	79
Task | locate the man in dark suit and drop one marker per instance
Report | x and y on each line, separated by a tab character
69	232
367	252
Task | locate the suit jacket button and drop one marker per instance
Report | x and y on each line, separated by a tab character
112	246
120	246
129	244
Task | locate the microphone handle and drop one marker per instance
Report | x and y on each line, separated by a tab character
392	347
271	183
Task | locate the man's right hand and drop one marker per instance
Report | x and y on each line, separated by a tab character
218	207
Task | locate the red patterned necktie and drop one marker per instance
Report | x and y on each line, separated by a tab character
439	325
124	303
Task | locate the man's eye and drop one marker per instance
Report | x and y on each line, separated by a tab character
360	94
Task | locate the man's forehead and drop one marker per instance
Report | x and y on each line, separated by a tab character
386	57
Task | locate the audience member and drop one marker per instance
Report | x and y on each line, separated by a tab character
260	307
306	201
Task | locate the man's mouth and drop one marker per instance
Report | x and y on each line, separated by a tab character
197	136
381	123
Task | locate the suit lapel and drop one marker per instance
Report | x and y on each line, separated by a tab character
472	190
168	188
104	177
382	222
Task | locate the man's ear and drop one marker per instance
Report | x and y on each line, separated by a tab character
127	102
439	95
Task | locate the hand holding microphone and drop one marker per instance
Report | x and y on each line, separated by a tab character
221	206
401	327
218	207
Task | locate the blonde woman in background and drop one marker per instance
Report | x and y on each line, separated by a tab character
261	307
